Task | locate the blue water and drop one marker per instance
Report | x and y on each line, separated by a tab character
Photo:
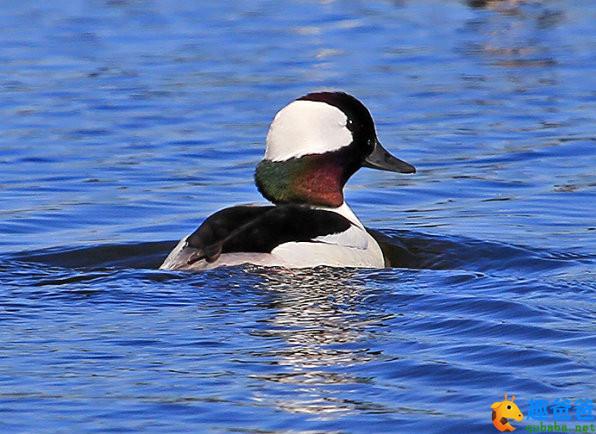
126	123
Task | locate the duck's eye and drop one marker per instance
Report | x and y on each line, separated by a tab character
350	124
508	407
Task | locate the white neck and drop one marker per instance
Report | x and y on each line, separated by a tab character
345	211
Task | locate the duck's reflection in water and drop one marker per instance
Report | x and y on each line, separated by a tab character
323	319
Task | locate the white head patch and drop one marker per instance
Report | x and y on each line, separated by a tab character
306	127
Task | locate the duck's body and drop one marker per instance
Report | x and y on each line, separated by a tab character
292	236
314	145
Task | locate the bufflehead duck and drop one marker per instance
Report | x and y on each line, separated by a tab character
314	145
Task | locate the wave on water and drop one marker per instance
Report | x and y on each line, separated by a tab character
404	249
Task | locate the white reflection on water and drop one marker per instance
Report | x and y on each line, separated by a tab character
323	319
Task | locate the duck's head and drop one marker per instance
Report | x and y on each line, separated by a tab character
315	144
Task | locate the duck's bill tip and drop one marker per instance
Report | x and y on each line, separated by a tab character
381	159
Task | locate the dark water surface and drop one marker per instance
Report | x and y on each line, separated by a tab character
125	123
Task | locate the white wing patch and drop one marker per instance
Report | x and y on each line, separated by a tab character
354	237
351	248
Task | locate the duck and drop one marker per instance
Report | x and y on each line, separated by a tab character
313	146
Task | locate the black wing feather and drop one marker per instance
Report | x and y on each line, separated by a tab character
261	229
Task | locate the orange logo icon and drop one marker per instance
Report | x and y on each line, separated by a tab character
503	411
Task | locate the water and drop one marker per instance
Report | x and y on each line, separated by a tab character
125	123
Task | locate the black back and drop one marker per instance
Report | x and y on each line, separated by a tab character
260	229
